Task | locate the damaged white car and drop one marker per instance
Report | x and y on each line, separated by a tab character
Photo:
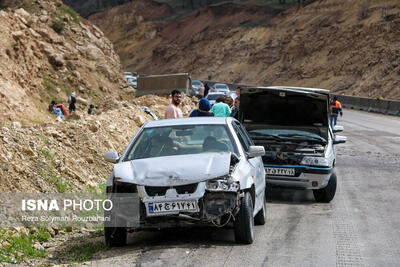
292	123
184	172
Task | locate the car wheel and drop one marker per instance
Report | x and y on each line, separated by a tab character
325	195
244	221
262	214
115	236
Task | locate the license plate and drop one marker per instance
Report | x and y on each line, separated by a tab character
280	171
173	206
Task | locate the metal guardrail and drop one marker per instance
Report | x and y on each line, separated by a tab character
383	106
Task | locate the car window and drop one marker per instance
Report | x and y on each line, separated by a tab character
246	134
242	139
181	140
213	96
196	82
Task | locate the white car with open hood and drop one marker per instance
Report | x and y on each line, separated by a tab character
292	123
183	172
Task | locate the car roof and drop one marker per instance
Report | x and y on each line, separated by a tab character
216	93
292	89
189	121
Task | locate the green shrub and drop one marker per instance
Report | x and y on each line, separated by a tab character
57	25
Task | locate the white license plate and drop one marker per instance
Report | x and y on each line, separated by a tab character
173	206
280	171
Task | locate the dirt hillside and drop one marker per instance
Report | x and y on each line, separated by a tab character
350	47
47	52
68	156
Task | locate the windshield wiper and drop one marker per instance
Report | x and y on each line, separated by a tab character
257	135
304	137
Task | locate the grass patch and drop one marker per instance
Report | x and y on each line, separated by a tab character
85	251
15	247
47	171
50	84
30	7
64	10
57	25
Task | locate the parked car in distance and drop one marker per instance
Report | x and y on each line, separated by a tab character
128	74
132	81
196	84
212	96
220	87
292	123
202	171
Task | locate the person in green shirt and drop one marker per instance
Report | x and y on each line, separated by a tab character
220	109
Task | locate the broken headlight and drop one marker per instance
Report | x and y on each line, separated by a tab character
315	161
222	184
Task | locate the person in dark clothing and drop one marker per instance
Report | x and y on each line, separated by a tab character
206	89
52	105
72	101
91	110
235	108
203	110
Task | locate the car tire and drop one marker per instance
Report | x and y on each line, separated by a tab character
115	236
244	221
261	216
325	195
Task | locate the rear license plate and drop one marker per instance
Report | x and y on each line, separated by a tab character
173	206
280	171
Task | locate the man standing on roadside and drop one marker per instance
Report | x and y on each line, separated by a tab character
220	109
173	111
336	108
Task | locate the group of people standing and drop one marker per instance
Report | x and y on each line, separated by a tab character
223	107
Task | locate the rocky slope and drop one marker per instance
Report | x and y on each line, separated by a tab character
350	47
47	52
68	156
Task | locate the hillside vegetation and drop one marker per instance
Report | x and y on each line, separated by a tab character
350	47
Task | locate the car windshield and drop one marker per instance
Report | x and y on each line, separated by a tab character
214	96
132	79
197	83
180	140
221	86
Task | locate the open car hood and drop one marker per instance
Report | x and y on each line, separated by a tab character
173	170
284	106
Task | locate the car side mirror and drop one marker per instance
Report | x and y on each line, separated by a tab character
337	129
111	157
339	139
255	151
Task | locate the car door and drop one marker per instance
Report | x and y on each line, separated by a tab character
257	167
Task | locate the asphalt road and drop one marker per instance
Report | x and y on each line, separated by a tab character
360	227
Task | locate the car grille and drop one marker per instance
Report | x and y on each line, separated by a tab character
161	190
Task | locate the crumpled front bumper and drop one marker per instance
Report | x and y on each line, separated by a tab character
134	209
